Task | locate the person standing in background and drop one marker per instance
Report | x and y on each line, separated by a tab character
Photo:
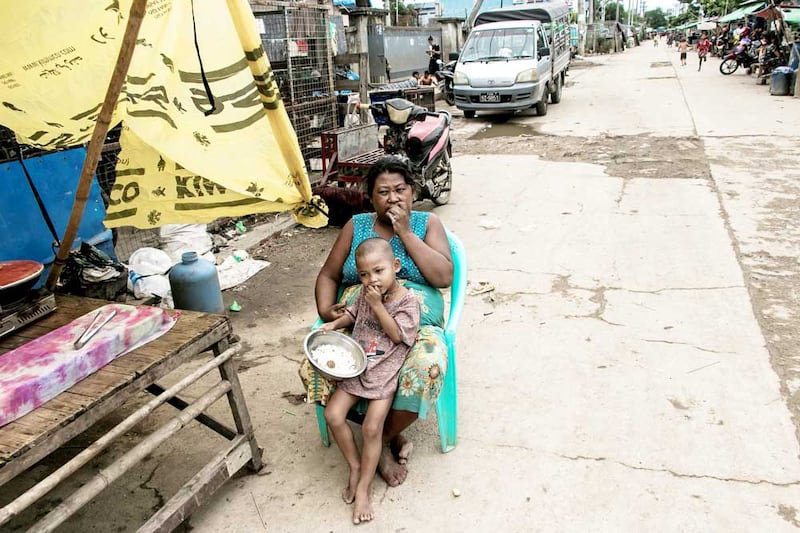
435	53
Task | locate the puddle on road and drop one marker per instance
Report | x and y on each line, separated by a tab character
658	64
508	129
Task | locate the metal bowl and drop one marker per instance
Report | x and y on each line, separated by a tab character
321	337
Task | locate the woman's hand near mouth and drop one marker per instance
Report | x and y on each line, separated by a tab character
399	217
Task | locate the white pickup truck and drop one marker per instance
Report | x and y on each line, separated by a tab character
515	58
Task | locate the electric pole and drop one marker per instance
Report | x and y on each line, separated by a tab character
581	29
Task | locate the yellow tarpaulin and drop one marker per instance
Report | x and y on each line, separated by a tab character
183	159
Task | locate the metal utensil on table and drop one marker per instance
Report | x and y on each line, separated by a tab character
93	328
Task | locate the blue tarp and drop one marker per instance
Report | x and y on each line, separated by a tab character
23	231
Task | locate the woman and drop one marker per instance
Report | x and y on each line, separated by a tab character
418	239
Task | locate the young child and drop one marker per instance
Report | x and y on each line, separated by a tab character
385	318
703	46
683	46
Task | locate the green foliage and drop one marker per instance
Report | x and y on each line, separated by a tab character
655	18
611	11
681	19
712	8
398	7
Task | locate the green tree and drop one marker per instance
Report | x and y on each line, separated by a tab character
655	18
682	19
611	11
406	12
712	8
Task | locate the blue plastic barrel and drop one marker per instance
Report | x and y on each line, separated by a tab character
780	81
195	285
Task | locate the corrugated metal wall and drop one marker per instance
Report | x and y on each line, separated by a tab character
405	49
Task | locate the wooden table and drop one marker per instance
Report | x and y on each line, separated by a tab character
32	437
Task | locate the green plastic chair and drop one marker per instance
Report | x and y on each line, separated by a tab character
447	404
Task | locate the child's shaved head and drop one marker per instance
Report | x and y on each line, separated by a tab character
374	245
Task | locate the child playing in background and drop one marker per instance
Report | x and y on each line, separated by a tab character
385	317
683	46
703	46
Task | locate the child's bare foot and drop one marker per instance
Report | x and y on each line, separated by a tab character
349	492
362	512
390	470
402	448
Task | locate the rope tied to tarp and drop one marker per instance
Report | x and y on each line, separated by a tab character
206	86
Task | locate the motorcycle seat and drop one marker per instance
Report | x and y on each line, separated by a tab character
429	129
400	111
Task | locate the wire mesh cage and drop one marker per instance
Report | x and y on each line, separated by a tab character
296	40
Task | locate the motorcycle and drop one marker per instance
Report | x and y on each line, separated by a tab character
445	75
721	46
422	139
738	57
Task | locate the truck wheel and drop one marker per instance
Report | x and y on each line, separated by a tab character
469	114
541	106
555	96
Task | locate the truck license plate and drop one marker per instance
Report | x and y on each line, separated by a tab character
490	97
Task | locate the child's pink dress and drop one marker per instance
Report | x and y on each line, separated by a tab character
384	357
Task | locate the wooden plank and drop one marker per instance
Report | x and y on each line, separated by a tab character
207	420
198	489
241	416
11	342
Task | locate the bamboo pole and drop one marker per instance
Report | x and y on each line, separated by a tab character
51	481
108	475
98	136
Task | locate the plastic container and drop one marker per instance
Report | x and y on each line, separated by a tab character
780	82
195	285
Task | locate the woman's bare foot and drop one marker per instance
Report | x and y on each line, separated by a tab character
349	492
402	448
362	512
390	470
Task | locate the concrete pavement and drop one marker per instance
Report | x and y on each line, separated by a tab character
618	379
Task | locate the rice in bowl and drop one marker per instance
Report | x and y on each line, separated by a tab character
334	358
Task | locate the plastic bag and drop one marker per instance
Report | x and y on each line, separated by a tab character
148	274
179	238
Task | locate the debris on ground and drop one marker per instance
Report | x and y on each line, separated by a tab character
482	287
